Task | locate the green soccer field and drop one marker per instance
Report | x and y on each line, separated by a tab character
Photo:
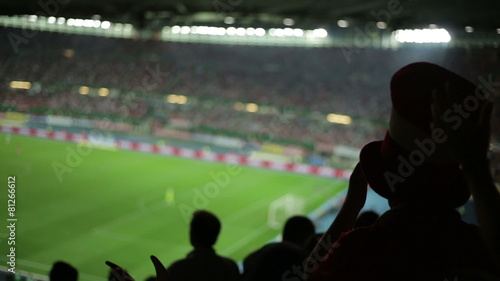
93	205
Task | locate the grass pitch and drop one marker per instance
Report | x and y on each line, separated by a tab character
85	206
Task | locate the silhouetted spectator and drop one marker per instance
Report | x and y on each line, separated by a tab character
312	241
417	168
62	271
272	260
203	263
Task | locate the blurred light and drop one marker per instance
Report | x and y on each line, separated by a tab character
88	23
105	24
498	30
176	29
84	90
221	31
178	99
279	32
240	31
32	18
433	26
185	30
320	32
251	107
298	32
181	99
422	36
51	20
260	31
288	22
20	85
250	31
96	17
69	53
103	92
231	31
118	26
343	23
381	25
78	22
61	20
239	106
228	20
70	22
288	31
338	118
469	29
97	23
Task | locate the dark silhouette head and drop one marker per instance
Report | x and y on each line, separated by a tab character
62	271
204	229
366	218
297	230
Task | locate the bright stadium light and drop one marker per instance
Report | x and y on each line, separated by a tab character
260	31
20	85
240	31
422	35
381	25
185	30
51	20
288	31
343	23
320	32
228	20
469	29
231	31
297	32
105	24
338	118
176	29
61	20
279	32
32	18
288	22
88	23
250	31
78	22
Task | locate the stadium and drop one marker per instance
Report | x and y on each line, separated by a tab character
119	121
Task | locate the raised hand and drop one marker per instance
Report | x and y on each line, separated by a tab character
161	271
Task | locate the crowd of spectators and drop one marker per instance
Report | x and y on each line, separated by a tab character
313	80
420	238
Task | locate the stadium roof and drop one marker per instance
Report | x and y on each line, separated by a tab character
451	14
